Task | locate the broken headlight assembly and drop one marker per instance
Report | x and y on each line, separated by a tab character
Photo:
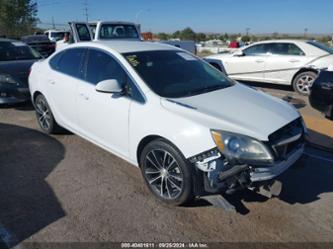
241	149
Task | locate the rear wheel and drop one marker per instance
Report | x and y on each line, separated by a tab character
166	172
303	82
44	116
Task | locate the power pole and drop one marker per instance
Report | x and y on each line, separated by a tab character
85	9
305	32
247	31
53	24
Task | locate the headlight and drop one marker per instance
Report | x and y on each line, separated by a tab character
242	148
6	78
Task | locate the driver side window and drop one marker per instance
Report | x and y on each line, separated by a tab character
102	66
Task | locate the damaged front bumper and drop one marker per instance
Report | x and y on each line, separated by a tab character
216	175
270	172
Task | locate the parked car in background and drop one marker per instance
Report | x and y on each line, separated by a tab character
162	109
321	97
186	45
16	59
285	62
55	35
40	43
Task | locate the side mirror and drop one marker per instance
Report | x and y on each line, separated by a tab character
239	53
109	86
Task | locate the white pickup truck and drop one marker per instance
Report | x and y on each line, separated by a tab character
114	30
101	30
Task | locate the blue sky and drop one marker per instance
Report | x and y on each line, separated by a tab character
232	16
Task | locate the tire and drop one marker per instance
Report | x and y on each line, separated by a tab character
166	172
302	83
44	116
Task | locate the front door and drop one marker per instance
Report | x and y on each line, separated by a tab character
250	66
104	117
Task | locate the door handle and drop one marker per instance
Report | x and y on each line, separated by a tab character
293	60
52	82
259	61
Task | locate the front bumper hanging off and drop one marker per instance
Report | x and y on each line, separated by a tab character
217	176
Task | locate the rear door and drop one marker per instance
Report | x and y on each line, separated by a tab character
62	83
81	31
283	61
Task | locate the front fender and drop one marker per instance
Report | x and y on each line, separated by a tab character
188	136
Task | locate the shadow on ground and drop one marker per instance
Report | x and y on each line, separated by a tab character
27	202
321	141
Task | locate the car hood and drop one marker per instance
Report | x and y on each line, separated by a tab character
19	70
237	109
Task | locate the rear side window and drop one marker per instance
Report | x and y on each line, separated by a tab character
70	62
284	49
102	66
55	60
256	49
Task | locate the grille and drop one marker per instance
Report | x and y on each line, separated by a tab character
287	139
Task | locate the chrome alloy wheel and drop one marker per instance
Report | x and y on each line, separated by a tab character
305	83
43	113
163	174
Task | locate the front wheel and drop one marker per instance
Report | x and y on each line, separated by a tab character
166	172
303	82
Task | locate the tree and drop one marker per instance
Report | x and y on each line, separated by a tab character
176	34
246	38
201	37
163	36
187	34
17	17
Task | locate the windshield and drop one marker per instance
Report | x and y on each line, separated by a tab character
58	35
175	74
118	31
10	51
321	46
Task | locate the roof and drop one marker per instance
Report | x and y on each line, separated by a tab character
281	41
112	22
122	46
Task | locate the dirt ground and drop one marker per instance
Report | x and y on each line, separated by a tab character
64	189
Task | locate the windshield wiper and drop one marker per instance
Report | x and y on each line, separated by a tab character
204	90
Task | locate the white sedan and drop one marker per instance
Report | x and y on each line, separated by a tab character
189	128
285	62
